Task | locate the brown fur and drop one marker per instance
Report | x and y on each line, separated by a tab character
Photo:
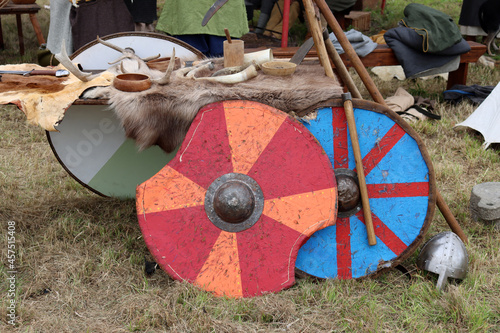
162	115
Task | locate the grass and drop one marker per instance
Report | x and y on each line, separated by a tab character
80	257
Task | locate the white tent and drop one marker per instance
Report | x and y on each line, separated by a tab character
486	118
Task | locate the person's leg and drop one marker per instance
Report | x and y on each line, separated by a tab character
215	45
275	24
197	41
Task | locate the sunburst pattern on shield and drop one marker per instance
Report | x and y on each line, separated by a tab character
246	189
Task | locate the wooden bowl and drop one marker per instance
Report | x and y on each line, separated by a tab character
132	82
23	2
278	68
161	64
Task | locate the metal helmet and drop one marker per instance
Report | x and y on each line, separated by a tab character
445	255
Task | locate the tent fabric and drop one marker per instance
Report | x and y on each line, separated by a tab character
486	118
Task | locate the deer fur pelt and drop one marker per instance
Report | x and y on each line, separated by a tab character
162	115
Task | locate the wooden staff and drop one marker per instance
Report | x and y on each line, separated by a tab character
351	123
317	36
450	219
377	97
319	41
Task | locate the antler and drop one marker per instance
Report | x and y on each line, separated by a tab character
63	58
108	44
127	52
247	74
166	78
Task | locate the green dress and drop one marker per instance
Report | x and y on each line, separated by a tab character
183	17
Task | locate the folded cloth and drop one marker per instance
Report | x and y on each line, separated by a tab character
362	44
475	93
437	29
401	100
407	47
411	108
379	38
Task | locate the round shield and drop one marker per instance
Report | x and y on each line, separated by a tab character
91	144
401	189
246	189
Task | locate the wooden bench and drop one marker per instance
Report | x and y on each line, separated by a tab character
18	10
384	56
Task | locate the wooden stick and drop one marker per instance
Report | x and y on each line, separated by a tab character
340	66
450	219
228	36
351	123
317	36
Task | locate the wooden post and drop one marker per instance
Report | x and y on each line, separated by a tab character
316	32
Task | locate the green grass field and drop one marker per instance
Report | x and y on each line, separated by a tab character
80	257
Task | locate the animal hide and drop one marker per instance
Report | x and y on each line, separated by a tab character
162	115
44	99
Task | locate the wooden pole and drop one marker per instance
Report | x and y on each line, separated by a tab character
317	35
286	23
351	123
349	50
377	97
340	66
450	219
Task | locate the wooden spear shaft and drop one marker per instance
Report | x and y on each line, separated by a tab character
317	36
340	66
377	97
349	50
351	123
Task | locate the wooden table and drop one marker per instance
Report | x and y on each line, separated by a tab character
384	56
18	10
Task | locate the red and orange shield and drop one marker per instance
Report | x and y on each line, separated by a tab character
246	189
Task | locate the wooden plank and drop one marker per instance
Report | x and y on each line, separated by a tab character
19	9
382	55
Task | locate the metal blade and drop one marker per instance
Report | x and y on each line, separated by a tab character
25	73
302	51
212	10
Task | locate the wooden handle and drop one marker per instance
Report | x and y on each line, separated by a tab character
317	35
377	97
340	66
228	37
351	123
450	219
43	72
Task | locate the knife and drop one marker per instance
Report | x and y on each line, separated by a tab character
302	51
212	10
56	73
